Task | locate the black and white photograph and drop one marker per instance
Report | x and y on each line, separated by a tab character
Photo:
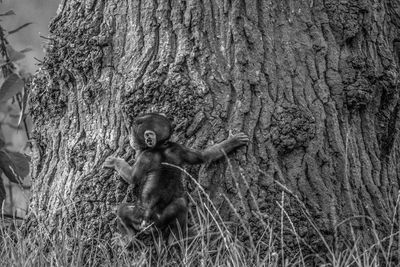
200	133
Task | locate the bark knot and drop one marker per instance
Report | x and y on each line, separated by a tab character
292	127
359	94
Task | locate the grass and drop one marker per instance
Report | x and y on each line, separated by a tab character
214	242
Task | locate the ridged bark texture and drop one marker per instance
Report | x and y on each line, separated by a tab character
313	83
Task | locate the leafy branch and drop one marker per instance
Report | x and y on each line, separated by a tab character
14	165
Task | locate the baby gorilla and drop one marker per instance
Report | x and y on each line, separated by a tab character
162	191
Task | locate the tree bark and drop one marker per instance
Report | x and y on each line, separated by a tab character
313	83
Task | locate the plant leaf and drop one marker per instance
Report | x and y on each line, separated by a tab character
11	86
20	162
13	55
23	105
26	50
8	167
2	190
2	143
8	13
2	137
19	28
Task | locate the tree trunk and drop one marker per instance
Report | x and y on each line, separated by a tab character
313	83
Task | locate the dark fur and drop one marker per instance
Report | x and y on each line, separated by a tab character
131	216
162	192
